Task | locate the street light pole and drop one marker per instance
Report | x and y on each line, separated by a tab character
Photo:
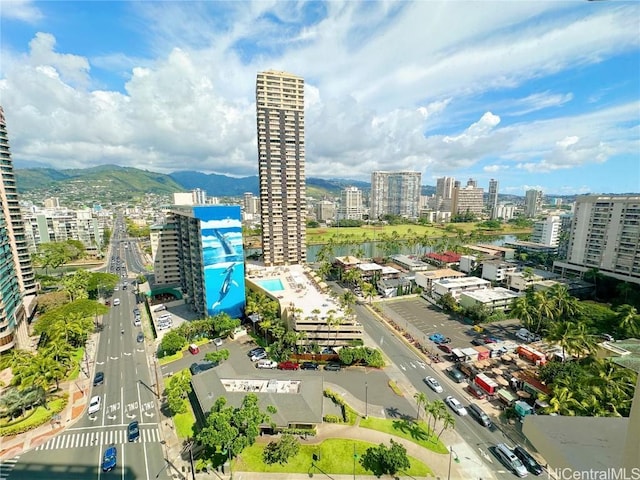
366	400
451	452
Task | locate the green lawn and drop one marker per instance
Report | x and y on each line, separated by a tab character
370	232
336	457
407	429
185	422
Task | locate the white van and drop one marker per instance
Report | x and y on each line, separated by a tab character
159	308
506	456
266	364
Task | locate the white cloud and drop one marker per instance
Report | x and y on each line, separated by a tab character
395	70
539	101
22	10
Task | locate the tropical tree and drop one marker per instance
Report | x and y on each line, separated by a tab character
523	309
369	291
593	275
76	284
561	401
421	399
282	450
628	320
386	460
448	422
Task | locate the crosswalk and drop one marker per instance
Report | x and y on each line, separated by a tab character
7	465
71	439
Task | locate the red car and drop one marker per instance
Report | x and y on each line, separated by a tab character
445	348
288	366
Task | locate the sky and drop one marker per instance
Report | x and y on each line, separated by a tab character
535	94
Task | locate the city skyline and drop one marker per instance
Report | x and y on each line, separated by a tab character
525	93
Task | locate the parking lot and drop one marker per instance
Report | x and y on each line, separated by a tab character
422	319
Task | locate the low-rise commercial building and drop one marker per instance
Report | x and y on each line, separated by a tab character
495	298
455	286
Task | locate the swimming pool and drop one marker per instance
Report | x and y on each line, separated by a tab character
272	284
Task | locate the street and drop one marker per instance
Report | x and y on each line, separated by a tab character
127	394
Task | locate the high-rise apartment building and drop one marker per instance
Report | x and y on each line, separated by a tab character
351	207
325	211
395	193
605	234
467	199
17	277
62	224
281	159
444	187
164	251
547	231
251	204
493	199
532	203
211	258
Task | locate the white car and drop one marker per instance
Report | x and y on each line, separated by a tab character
116	302
433	384
455	405
94	404
270	364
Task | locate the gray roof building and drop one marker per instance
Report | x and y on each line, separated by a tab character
298	400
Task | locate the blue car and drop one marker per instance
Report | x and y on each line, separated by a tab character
109	459
439	339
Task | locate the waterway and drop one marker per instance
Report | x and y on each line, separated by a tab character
376	249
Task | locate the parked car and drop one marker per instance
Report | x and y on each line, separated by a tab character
268	364
309	366
259	356
455	405
456	375
140	337
217	342
509	459
476	391
527	460
445	348
197	368
109	459
133	431
491	339
137	322
476	412
433	384
194	349
98	379
439	338
159	308
288	365
94	404
607	338
253	351
332	367
477	341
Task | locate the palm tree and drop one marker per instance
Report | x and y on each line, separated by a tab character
421	399
628	320
545	309
437	409
562	333
448	421
561	401
593	275
566	306
59	350
369	290
524	310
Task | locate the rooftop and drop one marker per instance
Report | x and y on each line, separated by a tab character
492	294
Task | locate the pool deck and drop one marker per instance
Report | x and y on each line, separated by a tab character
302	288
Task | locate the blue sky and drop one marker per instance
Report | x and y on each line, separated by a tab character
534	94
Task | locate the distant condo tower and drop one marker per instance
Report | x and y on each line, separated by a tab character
280	115
18	284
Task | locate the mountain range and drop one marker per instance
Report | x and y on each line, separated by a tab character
115	183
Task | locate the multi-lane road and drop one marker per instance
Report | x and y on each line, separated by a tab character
127	394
